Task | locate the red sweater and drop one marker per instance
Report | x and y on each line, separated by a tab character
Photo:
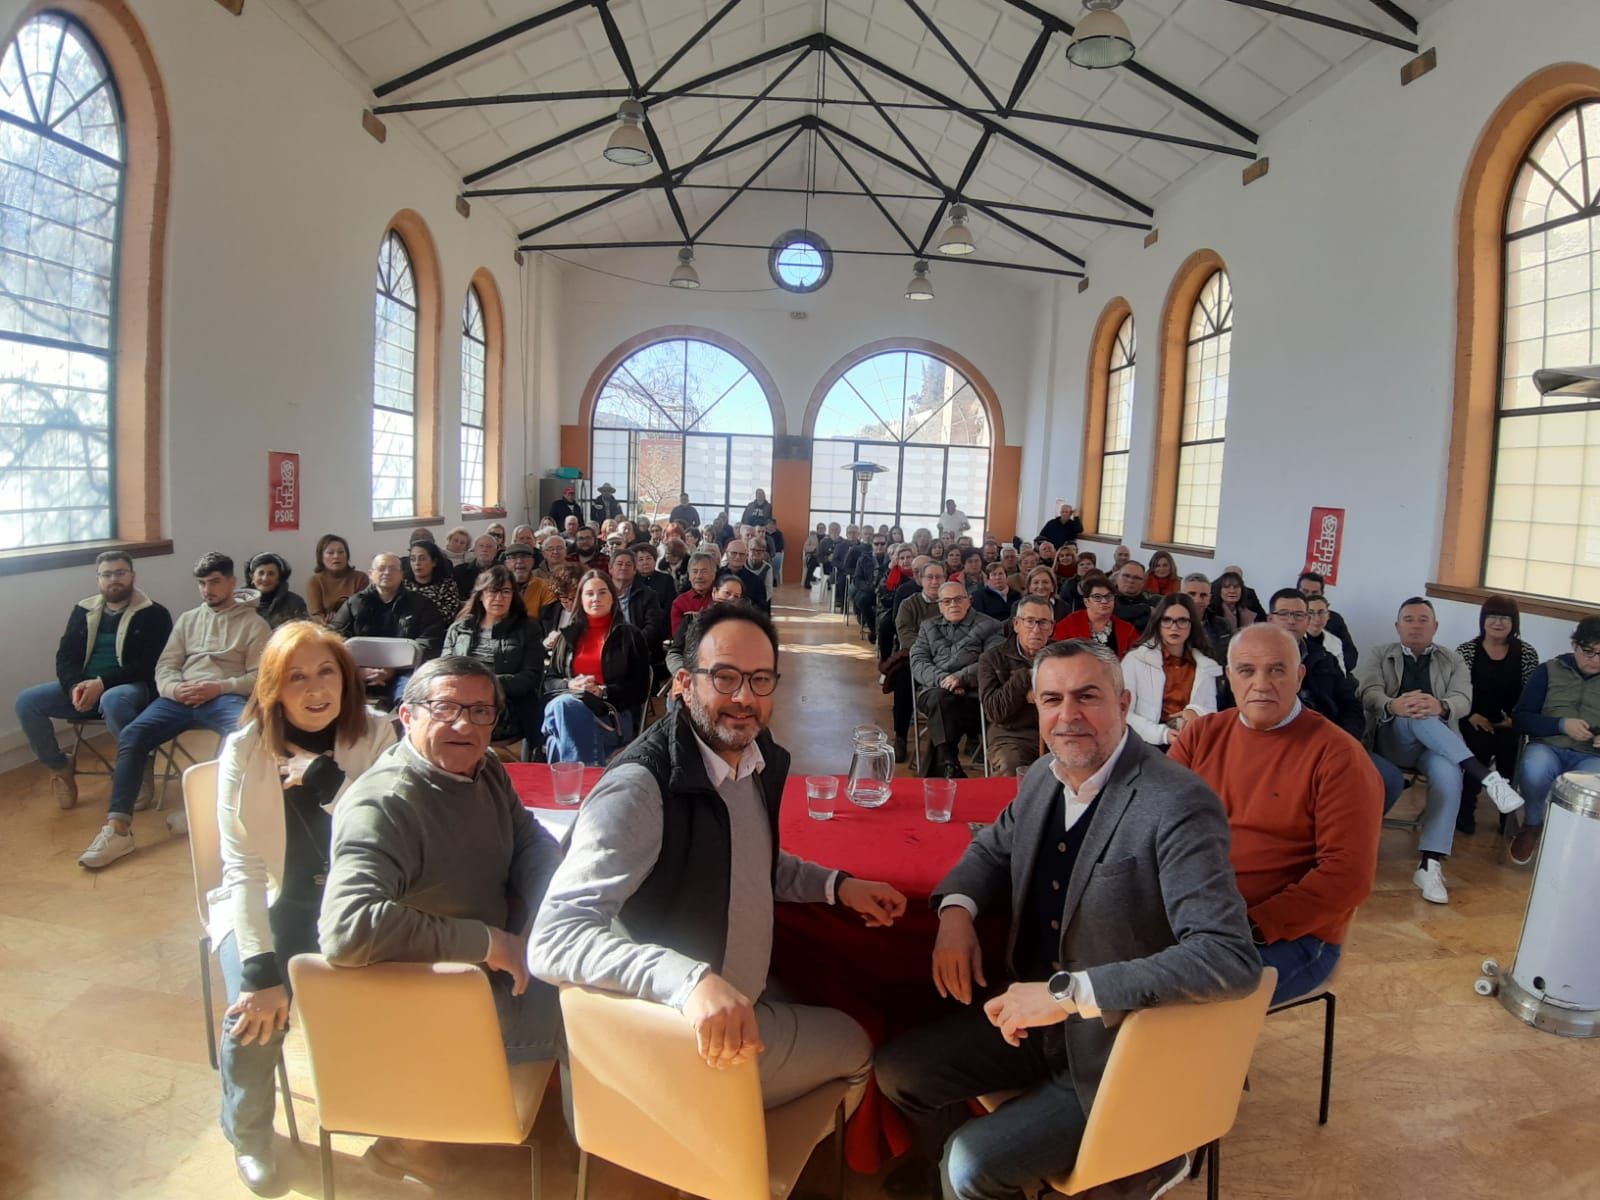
690	602
1304	805
1076	625
586	655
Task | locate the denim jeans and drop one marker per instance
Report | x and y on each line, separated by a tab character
37	705
572	732
1537	772
160	723
1437	749
1303	965
1394	782
931	1072
249	1091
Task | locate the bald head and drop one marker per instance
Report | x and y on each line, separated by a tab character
1265	673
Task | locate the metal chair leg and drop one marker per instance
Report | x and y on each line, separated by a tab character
1198	1161
326	1146
1330	1003
205	999
288	1098
583	1175
1214	1171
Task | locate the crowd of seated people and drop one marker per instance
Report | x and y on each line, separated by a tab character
1085	681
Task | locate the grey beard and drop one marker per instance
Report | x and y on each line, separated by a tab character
706	726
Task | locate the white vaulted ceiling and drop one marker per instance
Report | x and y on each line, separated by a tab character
1241	67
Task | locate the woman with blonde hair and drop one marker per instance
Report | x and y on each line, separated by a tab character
305	734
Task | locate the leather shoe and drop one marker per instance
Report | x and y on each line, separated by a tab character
901	750
258	1173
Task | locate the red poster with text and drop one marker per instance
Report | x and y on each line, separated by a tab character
283	490
1323	543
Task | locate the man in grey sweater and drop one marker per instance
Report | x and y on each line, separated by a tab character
667	889
435	859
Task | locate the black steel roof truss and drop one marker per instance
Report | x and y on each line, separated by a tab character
1029	66
877	200
1393	10
478	47
693	41
1301	14
973	160
556	247
950	49
894	128
745	186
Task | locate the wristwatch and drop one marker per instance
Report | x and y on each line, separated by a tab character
1061	986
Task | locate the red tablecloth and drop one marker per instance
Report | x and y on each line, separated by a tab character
881	977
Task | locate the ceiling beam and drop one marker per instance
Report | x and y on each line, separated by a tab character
749	108
691	43
973	160
894	128
933	181
950	49
1399	14
983	122
1049	20
444	61
661	245
866	191
745	186
1029	66
1301	14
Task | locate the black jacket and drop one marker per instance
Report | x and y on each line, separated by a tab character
466	575
1059	533
757	513
754	590
1135	611
1340	630
564	508
411	615
646	614
624	665
603	507
518	651
664	583
992	604
143	635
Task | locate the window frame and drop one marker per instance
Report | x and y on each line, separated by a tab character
1098	390
816	242
417	239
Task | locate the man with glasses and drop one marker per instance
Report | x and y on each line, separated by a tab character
1005	687
944	666
667	890
1325	689
865	574
1312	585
1414	692
105	668
737	561
435	859
1317	632
1560	712
384	609
1133	604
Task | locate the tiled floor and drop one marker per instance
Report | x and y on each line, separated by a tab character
105	1089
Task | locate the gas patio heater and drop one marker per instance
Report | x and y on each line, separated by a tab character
862	473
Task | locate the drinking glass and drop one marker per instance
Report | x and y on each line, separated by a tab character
938	799
568	777
821	792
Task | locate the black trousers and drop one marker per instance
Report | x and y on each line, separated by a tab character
951	717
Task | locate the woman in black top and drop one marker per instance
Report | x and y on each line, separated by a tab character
597	678
432	575
1500	663
269	575
496	629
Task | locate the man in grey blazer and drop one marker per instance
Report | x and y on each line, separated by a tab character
1115	865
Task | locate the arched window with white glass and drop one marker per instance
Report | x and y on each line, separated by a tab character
1544	503
1204	423
1118	428
682	415
921	419
474	400
394	384
62	165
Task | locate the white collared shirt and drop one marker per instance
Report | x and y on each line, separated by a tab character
717	769
1293	713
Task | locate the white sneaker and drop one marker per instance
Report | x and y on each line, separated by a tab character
107	847
1430	880
1501	792
178	822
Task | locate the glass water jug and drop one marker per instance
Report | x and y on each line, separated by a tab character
871	767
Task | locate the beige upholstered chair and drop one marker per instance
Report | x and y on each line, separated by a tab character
643	1098
205	859
1173	1082
412	1050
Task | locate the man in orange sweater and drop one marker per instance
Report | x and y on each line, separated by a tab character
1304	806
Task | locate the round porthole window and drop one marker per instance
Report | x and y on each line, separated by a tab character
800	261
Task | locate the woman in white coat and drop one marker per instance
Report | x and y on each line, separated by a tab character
1170	675
305	735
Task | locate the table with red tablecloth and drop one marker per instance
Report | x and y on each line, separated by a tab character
825	954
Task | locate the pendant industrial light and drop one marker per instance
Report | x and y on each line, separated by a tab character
1101	39
684	275
628	145
920	287
958	238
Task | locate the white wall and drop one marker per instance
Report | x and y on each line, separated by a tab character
1343	267
989	316
278	202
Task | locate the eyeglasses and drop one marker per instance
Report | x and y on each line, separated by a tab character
727	680
500	591
1592	651
121	573
1036	622
1284	614
1099	598
1176	622
955	599
450	712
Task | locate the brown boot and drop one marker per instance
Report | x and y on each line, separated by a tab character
1525	844
426	1162
64	787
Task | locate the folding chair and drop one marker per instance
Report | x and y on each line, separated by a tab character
205	860
81	742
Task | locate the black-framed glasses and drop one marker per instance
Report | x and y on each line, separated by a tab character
728	680
1285	614
1037	622
1176	622
1099	597
955	599
119	573
450	712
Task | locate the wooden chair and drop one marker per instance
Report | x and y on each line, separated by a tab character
412	1050
644	1099
1173	1082
205	859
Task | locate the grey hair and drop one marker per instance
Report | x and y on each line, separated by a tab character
705	556
930	562
420	686
1079	648
1259	630
1037	602
1198	577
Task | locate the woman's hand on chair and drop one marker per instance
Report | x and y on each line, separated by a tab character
258	1015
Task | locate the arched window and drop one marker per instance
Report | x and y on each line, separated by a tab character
62	156
682	415
394	384
917	416
1544	506
474	399
1108	422
1205	414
